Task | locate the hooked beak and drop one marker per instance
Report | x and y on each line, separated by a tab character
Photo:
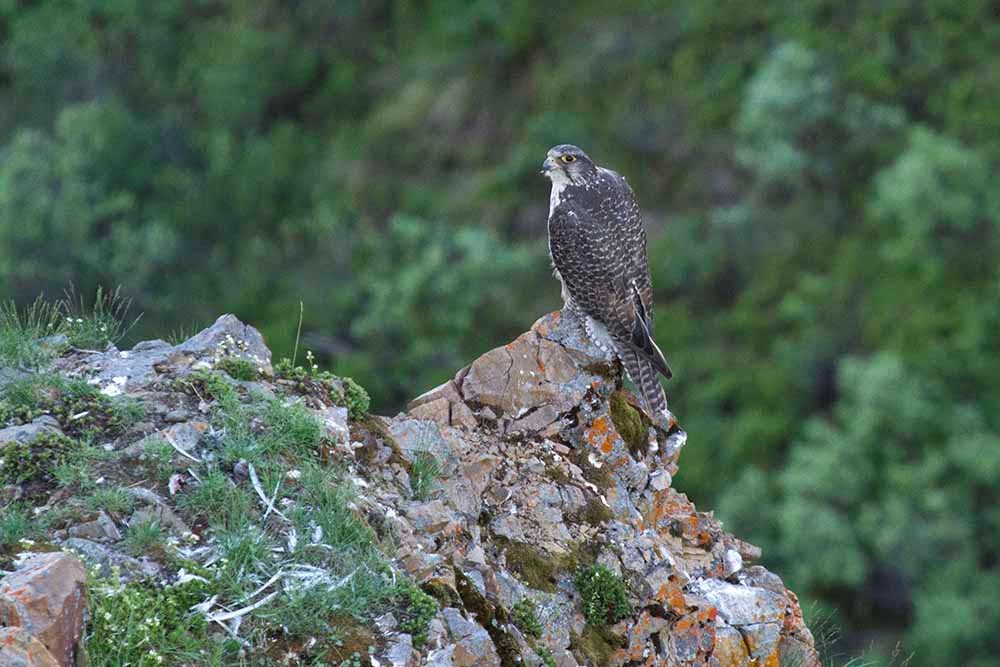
547	166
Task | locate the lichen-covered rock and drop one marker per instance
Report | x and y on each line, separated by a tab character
46	597
548	465
18	648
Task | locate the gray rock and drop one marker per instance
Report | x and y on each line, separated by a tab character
226	332
24	433
399	652
104	558
741	605
162	515
473	645
101	528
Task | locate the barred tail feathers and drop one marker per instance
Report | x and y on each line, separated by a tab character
646	378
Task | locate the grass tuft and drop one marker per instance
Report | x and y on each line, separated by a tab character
424	471
21	331
103	322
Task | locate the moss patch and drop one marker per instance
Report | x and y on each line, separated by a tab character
535	569
596	646
630	423
491	616
238	368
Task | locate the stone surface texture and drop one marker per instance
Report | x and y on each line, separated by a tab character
46	597
548	463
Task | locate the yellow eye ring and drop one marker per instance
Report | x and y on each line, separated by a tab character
568	158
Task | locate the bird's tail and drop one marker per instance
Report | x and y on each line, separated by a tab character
646	378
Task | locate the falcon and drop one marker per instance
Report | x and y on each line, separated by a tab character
598	249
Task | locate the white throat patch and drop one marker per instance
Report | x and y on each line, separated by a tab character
559	182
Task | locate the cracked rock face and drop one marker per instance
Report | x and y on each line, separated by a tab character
549	466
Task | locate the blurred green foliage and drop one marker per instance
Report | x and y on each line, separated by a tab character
818	180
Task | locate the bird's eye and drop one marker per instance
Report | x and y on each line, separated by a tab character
568	158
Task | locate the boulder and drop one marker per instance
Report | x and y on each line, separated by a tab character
18	648
46	597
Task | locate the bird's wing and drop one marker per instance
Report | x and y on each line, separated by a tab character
632	238
594	258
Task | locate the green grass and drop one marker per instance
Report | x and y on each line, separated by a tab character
424	471
159	458
145	538
21	330
605	596
93	326
145	625
80	408
76	474
113	500
15	525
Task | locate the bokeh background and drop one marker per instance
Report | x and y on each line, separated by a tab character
819	180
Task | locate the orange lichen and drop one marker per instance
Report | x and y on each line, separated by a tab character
601	434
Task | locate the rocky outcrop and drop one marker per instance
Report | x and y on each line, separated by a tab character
493	493
550	465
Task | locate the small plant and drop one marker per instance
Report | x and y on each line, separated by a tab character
76	474
20	333
208	385
139	624
14	526
356	399
526	618
605	597
144	537
342	391
238	368
104	322
545	653
113	500
418	610
78	406
159	457
425	470
35	460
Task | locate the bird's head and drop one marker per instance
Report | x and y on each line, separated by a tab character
567	163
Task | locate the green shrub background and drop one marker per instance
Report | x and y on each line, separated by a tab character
818	180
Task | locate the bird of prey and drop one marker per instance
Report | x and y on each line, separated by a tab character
598	248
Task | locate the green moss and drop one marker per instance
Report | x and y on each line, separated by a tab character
35	460
80	408
526	618
356	399
442	592
596	512
596	646
602	370
534	568
630	423
491	616
238	368
418	608
605	596
310	379
545	653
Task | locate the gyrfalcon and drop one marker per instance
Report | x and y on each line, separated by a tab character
598	248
